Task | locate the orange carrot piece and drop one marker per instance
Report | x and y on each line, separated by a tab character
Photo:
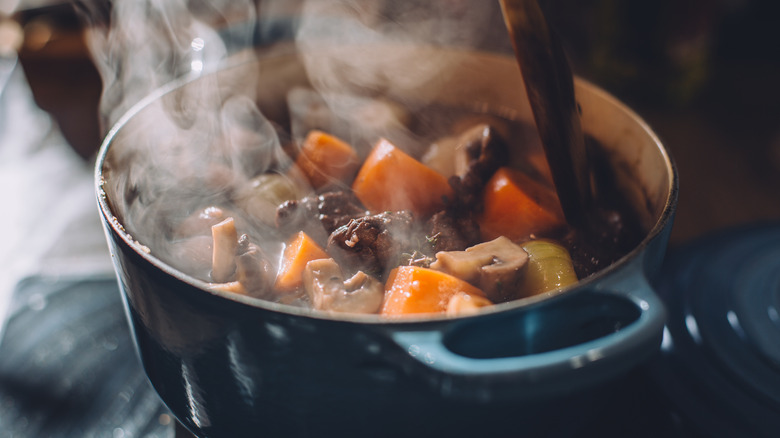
297	253
325	159
412	290
516	206
391	180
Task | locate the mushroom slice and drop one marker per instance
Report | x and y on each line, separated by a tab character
324	283
496	267
462	304
479	149
482	153
223	259
253	270
441	155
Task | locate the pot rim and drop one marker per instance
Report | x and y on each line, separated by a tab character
116	226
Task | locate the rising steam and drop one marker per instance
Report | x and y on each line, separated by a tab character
203	145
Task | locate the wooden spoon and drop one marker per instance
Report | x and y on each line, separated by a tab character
550	88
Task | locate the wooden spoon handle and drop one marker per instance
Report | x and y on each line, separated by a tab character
550	88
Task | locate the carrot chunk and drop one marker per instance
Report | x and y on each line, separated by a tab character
413	289
391	180
297	253
326	159
516	206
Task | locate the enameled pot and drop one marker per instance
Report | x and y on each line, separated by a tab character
230	366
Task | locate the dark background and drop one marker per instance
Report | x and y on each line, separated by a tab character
704	74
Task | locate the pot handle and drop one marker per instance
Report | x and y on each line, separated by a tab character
556	346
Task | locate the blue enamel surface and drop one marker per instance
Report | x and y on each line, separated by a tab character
721	351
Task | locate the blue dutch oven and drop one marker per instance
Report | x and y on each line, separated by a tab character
229	365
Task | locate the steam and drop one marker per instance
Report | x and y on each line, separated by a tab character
202	144
141	45
339	43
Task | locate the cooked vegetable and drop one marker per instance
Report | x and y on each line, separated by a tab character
549	267
263	194
225	238
443	156
413	290
457	155
464	304
442	231
391	180
200	222
517	207
325	286
253	270
231	286
300	250
496	267
326	160
193	255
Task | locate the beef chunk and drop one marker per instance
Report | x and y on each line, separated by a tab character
373	243
319	215
610	235
447	232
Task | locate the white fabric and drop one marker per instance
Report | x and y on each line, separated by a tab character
49	222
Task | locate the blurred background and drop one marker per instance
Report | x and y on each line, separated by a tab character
703	73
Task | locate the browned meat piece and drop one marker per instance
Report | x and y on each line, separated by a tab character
447	232
320	215
479	152
373	243
476	154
